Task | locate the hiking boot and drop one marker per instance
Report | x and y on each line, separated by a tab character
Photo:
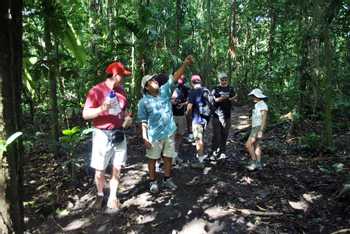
169	183
197	165
98	202
153	187
251	166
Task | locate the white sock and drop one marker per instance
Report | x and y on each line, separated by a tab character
113	187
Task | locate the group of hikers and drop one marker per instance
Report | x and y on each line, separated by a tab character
164	111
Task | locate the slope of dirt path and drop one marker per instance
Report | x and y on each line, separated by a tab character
290	195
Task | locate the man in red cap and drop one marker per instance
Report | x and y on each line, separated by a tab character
106	105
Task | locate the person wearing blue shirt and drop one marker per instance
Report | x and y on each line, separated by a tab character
158	126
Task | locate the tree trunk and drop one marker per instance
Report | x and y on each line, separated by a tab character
11	170
232	53
328	94
53	109
271	39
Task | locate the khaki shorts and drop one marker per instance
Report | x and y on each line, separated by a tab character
181	124
164	148
197	130
254	132
103	151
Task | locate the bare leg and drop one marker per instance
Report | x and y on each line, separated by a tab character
113	184
152	169
258	152
200	147
167	166
250	148
100	181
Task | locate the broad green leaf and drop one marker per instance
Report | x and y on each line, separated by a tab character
87	131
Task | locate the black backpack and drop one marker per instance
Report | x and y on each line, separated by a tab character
206	108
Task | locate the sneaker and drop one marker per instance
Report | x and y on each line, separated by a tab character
216	152
252	166
201	158
197	165
222	156
98	202
153	187
169	183
259	166
190	138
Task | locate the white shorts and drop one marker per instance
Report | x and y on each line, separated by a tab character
164	148
103	150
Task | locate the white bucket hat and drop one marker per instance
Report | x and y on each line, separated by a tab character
145	79
257	93
222	75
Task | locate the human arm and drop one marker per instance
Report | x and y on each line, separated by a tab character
189	109
146	141
91	113
181	70
263	123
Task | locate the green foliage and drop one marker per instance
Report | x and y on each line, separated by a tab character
332	169
311	140
70	140
276	49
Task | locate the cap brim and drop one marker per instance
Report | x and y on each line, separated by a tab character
127	72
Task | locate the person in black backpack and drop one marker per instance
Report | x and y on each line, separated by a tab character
221	118
195	107
179	103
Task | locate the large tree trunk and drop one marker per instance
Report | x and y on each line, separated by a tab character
11	172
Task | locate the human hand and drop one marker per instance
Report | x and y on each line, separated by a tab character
127	121
259	135
147	144
105	106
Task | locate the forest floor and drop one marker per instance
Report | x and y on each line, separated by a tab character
296	192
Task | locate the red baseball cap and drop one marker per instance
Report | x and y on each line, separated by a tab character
118	68
196	78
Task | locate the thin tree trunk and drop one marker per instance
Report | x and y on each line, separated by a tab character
271	39
232	53
53	109
328	94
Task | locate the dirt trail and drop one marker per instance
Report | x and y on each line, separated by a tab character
290	195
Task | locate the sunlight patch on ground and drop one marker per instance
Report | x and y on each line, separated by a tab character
195	226
142	200
142	219
243	122
216	212
76	224
246	180
130	179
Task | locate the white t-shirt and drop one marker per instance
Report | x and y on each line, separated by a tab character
257	115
